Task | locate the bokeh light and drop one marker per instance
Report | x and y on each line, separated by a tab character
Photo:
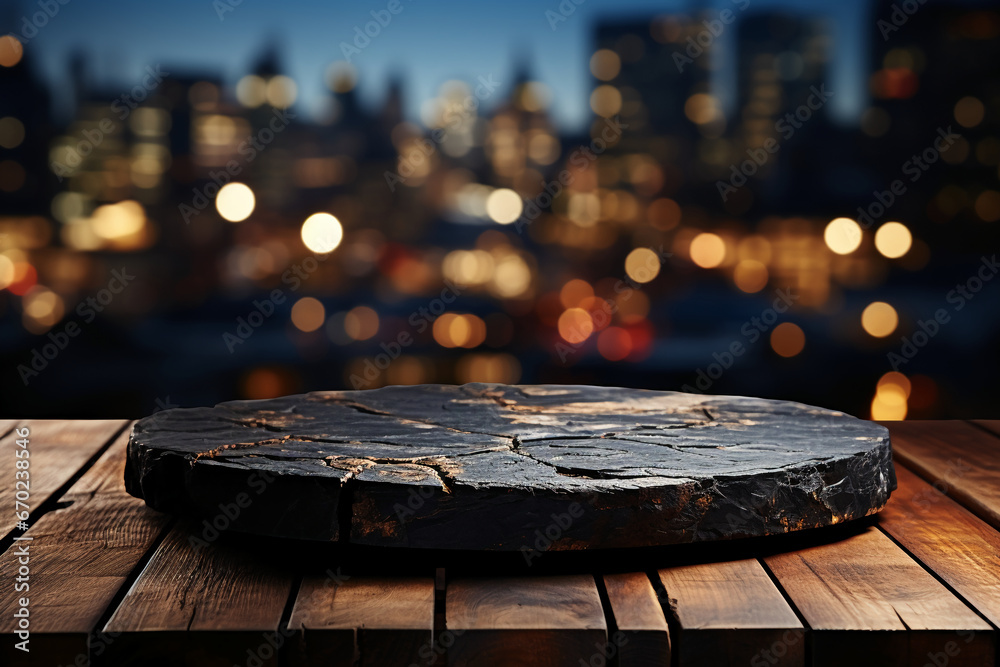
361	323
879	319
606	101
575	325
235	202
11	51
893	240
322	233
707	250
842	236
605	64
504	206
788	339
642	265
308	314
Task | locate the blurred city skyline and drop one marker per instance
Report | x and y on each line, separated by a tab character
119	39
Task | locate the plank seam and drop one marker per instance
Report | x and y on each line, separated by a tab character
807	649
609	616
936	576
673	623
284	657
52	503
982	428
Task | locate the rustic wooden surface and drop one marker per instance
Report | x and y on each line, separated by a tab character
511	468
115	583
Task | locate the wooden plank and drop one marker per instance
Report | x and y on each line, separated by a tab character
218	604
382	621
79	557
58	449
642	638
731	613
867	602
525	621
959	458
952	542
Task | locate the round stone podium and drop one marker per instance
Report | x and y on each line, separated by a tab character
498	467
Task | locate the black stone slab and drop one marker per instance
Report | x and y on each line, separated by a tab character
511	467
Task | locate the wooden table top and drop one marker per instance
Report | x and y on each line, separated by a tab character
115	583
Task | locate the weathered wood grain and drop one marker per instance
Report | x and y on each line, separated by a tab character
641	638
957	457
730	613
217	604
525	621
57	450
79	557
957	546
867	602
508	468
381	620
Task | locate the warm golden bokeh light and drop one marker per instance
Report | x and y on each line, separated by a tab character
842	236
235	202
886	407
308	314
605	64
11	51
6	271
987	205
281	92
642	265
43	308
896	379
606	101
574	292
485	367
879	319
504	206
702	108
361	323
893	240
707	250
459	330
750	276
575	325
11	132
251	91
322	233
788	339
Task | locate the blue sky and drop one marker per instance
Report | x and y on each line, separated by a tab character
427	43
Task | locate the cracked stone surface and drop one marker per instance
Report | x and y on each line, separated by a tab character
503	467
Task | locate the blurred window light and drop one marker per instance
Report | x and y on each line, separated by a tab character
308	314
11	51
842	236
893	240
788	339
707	250
606	101
322	233
605	64
642	265
504	206
879	319
235	202
251	91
